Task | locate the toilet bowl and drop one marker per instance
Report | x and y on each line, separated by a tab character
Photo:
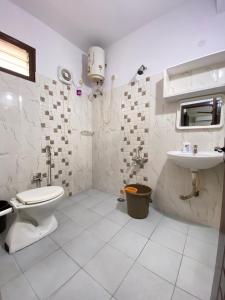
34	216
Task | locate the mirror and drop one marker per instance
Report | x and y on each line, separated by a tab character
204	112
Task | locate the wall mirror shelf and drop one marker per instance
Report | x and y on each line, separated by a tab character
202	113
202	76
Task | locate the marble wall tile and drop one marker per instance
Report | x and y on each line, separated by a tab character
82	162
55	118
97	159
19	132
120	121
169	180
106	114
8	176
33	115
166	179
134	131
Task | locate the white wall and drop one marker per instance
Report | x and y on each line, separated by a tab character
52	49
190	31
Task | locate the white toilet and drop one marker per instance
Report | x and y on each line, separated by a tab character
35	216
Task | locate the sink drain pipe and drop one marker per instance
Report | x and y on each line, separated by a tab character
195	186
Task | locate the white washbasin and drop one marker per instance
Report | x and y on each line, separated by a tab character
201	160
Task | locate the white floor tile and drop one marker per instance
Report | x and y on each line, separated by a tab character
142	227
105	229
81	215
106	206
66	232
99	194
8	268
32	254
66	202
109	267
51	273
169	238
203	252
2	250
61	217
154	216
87	218
182	295
83	247
91	201
78	197
195	278
93	191
81	287
87	221
179	226
17	288
161	260
130	243
118	217
73	210
204	233
141	284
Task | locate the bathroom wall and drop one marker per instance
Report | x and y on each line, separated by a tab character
31	118
121	124
33	115
52	49
63	116
192	30
166	179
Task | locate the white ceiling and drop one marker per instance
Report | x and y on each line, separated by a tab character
96	22
220	5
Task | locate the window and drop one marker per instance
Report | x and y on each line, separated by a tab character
17	58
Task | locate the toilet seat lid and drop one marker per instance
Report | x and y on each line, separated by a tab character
40	194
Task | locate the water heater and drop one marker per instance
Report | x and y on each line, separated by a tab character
96	64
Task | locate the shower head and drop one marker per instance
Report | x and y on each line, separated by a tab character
141	70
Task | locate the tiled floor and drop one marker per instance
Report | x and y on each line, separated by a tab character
98	252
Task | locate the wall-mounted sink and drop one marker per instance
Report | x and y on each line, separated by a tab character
200	160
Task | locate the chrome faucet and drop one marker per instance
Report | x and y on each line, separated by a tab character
195	149
139	151
138	159
37	179
219	149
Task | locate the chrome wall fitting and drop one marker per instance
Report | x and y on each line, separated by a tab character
37	179
138	160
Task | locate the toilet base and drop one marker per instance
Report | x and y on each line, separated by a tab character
23	232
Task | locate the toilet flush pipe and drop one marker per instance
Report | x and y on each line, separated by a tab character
195	186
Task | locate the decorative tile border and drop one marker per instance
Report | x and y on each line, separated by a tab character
135	118
56	130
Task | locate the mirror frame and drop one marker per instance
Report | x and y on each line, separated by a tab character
200	100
